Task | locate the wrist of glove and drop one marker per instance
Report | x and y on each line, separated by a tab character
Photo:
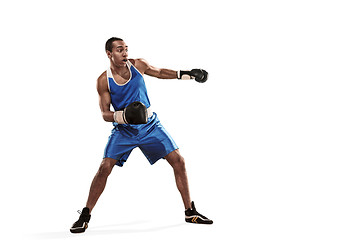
199	75
135	113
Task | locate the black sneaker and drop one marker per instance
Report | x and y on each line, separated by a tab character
81	225
192	216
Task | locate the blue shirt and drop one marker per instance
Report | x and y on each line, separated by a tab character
133	90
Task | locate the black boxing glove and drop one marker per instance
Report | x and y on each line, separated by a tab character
199	75
134	113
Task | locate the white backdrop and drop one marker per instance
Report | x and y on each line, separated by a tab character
271	141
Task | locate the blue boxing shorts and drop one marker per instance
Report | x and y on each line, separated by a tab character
152	139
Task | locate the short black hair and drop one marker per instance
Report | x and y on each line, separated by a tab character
109	42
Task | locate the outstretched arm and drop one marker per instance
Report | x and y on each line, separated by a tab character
199	75
162	73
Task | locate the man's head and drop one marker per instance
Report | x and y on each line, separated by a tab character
117	51
109	42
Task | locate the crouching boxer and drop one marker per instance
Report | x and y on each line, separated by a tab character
135	125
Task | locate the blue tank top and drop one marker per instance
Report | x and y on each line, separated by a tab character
133	90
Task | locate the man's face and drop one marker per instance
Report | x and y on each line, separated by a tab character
119	53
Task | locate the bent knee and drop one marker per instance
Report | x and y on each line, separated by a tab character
106	167
178	163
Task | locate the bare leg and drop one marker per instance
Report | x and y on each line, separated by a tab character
178	164
99	181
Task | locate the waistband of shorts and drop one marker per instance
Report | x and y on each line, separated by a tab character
118	126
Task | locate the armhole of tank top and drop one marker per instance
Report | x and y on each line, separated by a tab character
108	75
135	68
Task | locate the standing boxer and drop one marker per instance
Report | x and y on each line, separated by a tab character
135	125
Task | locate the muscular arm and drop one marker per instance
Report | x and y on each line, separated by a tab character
162	73
104	98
